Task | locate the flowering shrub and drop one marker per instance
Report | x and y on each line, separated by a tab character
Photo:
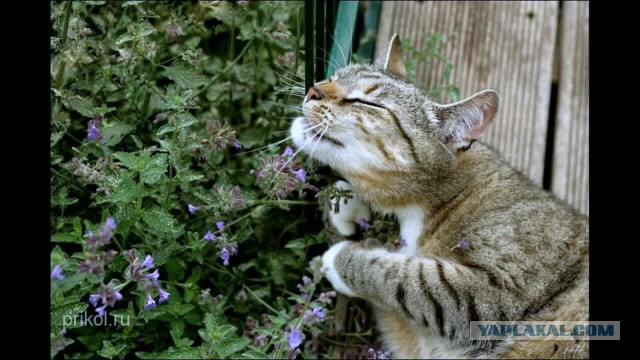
177	230
183	226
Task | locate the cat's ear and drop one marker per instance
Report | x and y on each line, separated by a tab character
461	123
393	61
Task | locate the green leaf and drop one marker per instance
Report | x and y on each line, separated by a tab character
115	132
297	244
184	77
124	38
173	353
231	347
84	106
213	332
65	315
65	238
159	220
126	190
131	3
127	159
162	256
109	351
103	109
77	227
179	309
155	169
195	276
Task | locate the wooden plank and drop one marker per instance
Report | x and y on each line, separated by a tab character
508	46
570	171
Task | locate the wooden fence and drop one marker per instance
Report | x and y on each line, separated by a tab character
536	54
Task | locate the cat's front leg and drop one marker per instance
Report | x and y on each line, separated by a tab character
350	213
433	292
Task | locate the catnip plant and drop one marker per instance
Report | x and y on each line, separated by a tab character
182	224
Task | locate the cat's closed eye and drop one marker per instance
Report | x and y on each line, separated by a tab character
364	102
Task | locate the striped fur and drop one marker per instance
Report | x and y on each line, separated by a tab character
404	154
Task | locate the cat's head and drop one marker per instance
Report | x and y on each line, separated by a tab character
369	120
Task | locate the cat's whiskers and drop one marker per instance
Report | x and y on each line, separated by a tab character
319	139
339	48
335	64
277	142
287	80
295	109
281	75
294	74
291	158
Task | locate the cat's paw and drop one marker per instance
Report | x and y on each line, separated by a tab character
350	213
328	266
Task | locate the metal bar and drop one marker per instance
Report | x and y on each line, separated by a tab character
331	7
308	44
321	44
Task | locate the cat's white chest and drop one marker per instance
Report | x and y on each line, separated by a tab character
411	220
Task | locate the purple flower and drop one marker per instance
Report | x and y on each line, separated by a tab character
154	275
234	250
326	297
314	315
461	244
104	234
209	236
221	136
193	208
57	273
220	225
287	152
112	295
93	129
164	296
101	310
364	225
260	339
93	299
295	338
379	355
282	175
229	197
150	302
111	223
300	174
224	255
318	313
148	262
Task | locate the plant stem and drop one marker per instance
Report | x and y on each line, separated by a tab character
259	299
147	96
56	172
65	30
224	71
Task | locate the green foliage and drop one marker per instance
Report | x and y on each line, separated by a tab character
154	103
432	52
162	118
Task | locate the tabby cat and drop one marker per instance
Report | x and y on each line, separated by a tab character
482	243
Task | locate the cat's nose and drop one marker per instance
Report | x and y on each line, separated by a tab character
314	93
